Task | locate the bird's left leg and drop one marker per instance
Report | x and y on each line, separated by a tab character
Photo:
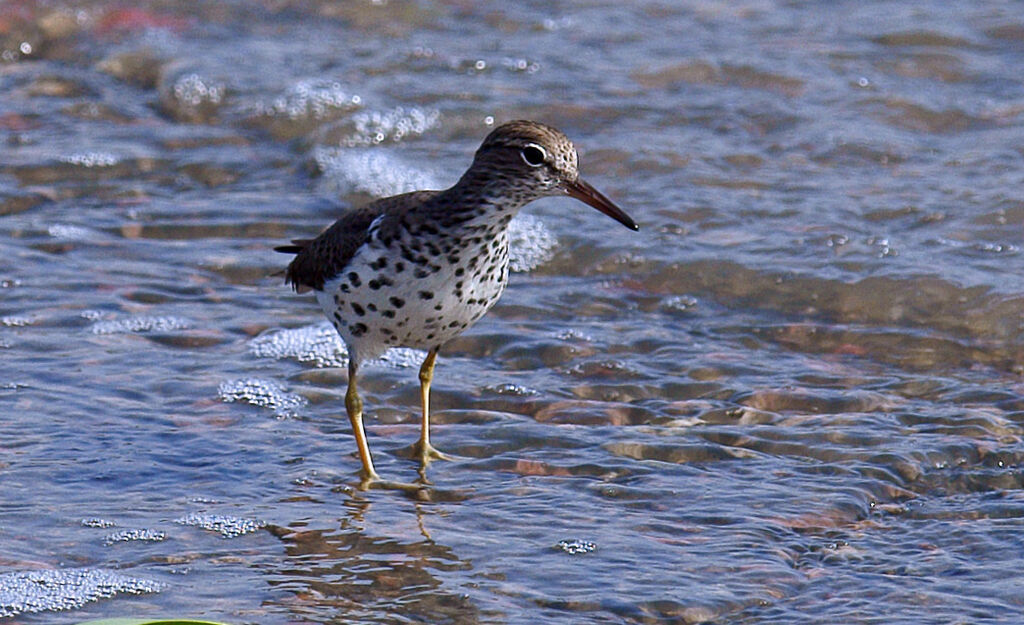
423	449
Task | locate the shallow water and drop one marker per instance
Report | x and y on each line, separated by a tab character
794	396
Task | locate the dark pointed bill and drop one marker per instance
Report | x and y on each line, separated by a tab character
589	195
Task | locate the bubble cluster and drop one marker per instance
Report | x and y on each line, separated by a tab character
374	172
531	243
375	127
129	325
321	345
24	592
124	536
263	393
67	231
226	526
576	546
314	98
15	321
679	303
192	90
90	159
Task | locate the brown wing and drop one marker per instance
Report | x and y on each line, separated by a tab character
320	259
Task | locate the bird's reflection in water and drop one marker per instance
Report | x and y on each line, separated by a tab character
371	578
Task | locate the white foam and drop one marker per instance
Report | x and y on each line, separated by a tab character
531	243
194	90
24	592
90	159
264	393
129	325
321	345
130	535
376	127
227	526
371	171
313	98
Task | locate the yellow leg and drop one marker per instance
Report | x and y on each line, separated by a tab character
423	449
354	406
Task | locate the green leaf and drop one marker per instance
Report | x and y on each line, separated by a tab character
144	621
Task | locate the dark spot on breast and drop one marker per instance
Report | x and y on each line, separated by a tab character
390	314
380	263
399	267
426	295
353	277
438	306
372	307
421	273
358	309
460	271
358	329
343	288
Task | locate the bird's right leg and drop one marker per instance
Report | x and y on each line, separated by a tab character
354	406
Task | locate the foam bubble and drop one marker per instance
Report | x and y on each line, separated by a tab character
15	321
67	231
193	90
375	127
321	345
123	536
263	393
531	243
227	526
129	325
576	546
370	171
313	98
24	592
90	159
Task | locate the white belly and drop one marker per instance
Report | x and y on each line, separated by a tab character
377	305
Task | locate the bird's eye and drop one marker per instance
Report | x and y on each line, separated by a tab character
533	155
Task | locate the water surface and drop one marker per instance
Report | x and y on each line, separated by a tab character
794	396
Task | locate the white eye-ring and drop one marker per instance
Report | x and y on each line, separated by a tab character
533	155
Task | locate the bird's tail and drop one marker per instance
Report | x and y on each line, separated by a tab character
297	246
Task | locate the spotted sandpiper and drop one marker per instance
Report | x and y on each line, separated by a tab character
417	269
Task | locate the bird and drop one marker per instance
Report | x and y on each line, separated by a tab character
417	269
